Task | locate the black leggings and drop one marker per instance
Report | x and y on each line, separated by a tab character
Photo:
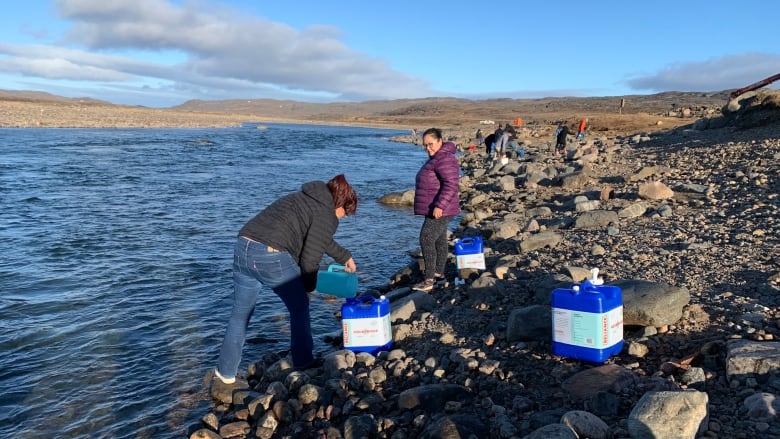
433	242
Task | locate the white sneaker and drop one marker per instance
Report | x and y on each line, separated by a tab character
223	379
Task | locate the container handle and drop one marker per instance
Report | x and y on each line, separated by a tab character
362	300
467	240
367	299
334	267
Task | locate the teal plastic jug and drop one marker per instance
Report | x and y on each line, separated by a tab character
337	282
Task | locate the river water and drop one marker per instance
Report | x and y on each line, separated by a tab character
115	262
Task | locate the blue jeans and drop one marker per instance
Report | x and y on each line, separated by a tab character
253	265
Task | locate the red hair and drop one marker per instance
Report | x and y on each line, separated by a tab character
343	194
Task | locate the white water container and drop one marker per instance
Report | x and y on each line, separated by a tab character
588	320
365	321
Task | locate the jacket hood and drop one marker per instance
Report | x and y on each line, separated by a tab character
319	191
447	148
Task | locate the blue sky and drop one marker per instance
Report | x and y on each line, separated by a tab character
161	53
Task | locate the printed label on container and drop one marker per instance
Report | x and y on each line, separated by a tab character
587	329
373	331
476	260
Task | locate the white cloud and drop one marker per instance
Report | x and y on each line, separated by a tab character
63	63
58	68
134	51
229	53
724	73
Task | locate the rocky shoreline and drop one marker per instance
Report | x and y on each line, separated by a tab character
685	221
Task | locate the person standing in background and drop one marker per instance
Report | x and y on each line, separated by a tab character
581	129
496	138
502	143
489	141
437	198
560	139
479	137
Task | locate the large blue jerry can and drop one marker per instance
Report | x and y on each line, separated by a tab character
587	320
366	324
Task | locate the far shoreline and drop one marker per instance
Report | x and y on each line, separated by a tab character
46	114
646	113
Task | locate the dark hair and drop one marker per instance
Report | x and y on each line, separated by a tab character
435	132
343	194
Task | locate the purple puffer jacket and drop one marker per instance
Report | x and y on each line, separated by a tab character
437	183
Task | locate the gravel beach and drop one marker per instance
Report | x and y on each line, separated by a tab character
685	221
681	213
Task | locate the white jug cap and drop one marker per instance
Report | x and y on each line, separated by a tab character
594	277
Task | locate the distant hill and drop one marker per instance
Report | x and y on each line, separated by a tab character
438	108
424	108
640	112
40	96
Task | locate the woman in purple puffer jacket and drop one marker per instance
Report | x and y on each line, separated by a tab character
436	197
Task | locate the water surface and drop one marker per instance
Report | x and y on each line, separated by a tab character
115	267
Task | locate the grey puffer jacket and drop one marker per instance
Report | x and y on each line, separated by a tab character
302	224
436	184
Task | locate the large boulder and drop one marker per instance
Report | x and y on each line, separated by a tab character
398	198
648	303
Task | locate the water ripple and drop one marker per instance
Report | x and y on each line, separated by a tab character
116	263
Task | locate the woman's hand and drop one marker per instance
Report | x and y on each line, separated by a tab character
350	266
437	212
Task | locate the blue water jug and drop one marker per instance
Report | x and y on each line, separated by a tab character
365	321
468	246
469	253
588	320
337	282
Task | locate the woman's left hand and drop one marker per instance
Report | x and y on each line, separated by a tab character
350	266
437	212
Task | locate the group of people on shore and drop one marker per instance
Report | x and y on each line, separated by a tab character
562	133
502	142
282	246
